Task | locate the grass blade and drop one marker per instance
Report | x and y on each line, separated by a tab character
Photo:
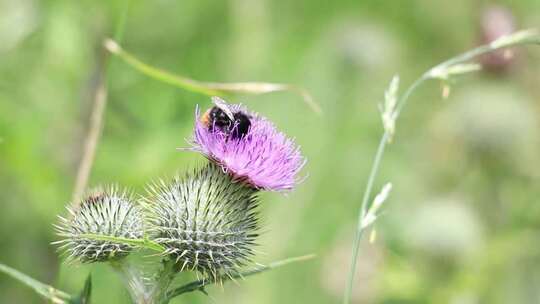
200	284
54	295
208	88
448	67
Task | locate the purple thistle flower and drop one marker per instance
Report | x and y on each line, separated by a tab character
259	155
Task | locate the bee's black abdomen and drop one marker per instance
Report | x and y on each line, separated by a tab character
242	123
237	129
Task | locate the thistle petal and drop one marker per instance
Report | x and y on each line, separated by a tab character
264	158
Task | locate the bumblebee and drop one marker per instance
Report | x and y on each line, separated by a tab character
220	117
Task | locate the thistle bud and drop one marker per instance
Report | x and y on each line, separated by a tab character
101	214
207	221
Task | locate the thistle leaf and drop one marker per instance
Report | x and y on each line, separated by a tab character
84	296
141	243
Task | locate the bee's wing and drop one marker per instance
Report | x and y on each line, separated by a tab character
222	104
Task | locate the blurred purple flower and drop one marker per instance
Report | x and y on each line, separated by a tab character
496	21
263	157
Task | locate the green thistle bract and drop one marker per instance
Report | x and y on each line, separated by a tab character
206	221
102	213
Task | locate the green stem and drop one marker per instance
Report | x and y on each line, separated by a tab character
363	210
164	279
200	284
133	281
522	38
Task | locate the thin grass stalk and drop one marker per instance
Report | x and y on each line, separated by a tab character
199	285
48	292
96	117
205	87
526	37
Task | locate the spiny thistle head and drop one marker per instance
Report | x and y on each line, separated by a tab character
247	146
103	213
206	221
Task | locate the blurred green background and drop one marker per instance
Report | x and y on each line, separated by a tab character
461	225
